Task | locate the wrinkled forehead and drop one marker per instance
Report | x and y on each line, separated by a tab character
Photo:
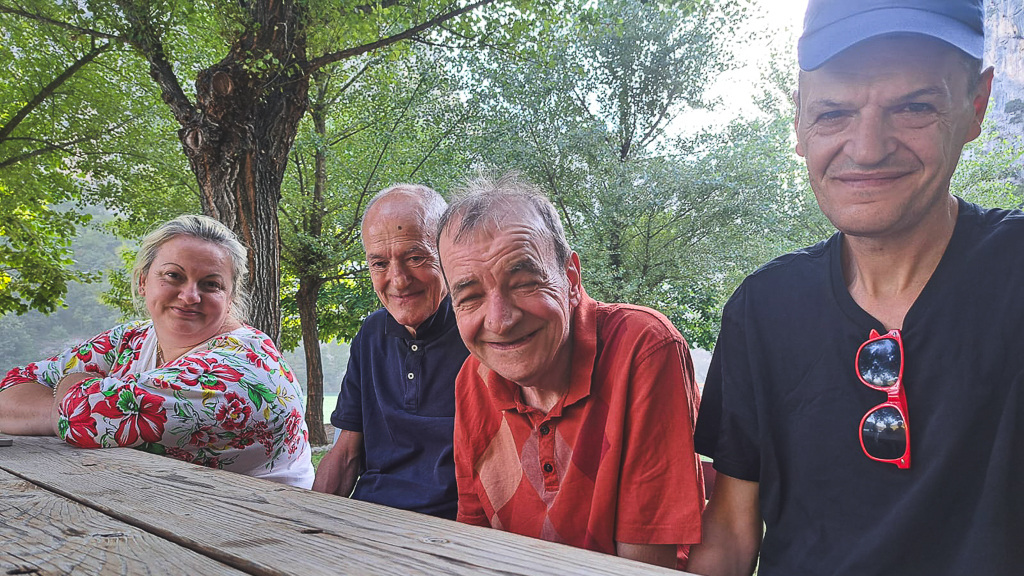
898	60
397	215
498	223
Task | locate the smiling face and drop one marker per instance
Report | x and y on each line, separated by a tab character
188	290
513	301
403	263
881	127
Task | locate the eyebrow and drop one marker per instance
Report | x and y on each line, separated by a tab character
525	265
463	285
926	91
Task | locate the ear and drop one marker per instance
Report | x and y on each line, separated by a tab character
142	285
574	274
980	102
796	121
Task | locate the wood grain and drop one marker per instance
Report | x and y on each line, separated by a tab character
266	528
44	533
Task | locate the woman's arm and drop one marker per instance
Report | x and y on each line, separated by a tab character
25	409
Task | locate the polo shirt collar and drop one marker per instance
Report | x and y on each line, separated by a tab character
507	394
434	326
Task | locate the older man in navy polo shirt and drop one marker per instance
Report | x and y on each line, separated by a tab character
396	410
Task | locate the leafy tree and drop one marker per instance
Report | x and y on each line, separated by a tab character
385	119
238	124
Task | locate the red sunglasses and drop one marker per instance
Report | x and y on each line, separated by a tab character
885	429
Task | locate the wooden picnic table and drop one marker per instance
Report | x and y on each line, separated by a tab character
65	510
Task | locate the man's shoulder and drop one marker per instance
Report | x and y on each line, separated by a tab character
625	320
993	227
372	326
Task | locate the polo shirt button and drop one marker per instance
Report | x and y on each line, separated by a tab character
411	375
548	467
544	430
414	347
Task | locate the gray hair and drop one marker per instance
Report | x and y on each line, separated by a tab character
203	228
484	201
432	203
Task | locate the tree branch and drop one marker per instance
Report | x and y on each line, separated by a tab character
4	9
147	41
49	90
326	59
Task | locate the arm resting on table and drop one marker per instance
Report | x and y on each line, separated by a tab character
657	554
339	469
732	530
25	409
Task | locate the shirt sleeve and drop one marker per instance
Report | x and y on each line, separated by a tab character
233	405
727	429
470	508
661	494
97	355
348	414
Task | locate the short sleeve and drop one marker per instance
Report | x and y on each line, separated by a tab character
661	494
348	414
727	427
98	355
234	405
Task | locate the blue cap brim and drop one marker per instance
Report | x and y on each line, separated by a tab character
818	47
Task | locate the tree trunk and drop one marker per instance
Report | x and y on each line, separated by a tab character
248	108
309	289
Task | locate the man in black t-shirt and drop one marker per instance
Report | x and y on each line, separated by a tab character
865	402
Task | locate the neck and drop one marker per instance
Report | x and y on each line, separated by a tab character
543	399
546	390
885	275
171	348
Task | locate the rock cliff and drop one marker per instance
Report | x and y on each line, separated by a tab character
1004	49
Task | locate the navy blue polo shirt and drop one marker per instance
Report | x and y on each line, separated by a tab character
399	392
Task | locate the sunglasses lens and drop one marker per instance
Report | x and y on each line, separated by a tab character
885	433
879	362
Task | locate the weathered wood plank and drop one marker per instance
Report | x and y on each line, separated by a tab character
266	528
44	533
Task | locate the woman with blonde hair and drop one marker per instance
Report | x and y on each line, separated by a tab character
193	382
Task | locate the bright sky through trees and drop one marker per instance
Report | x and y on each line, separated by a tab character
770	32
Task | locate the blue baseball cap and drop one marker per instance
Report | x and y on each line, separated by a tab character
831	26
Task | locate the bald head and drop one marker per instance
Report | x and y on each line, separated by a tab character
398	236
404	201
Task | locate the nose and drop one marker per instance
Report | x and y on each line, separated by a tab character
871	140
400	277
189	293
502	314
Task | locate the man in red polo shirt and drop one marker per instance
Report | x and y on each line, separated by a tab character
574	418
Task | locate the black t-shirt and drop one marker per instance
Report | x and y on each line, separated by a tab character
782	406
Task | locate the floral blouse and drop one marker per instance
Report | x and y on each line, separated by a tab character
231	403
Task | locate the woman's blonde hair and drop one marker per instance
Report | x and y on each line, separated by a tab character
203	228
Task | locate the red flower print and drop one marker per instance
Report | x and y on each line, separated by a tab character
179	454
222	372
202	436
255	360
234	412
244	439
271	350
81	427
92	368
192	368
293	429
141	415
264	437
19	375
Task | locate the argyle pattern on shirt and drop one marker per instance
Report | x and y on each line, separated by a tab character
612	461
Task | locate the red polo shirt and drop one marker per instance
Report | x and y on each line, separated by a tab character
613	460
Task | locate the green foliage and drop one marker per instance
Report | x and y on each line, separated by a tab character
989	172
659	221
385	119
77	128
